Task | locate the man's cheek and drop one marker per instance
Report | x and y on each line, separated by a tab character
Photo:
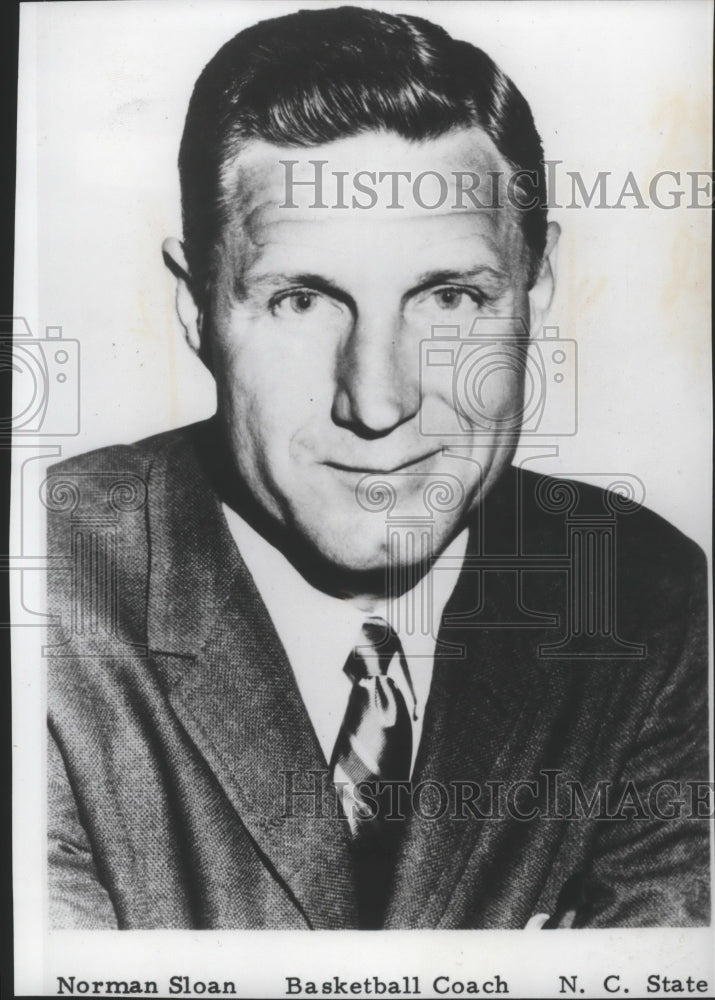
500	396
487	386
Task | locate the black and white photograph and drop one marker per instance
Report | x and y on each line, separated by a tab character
361	499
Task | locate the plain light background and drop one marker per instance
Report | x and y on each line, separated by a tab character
613	87
103	93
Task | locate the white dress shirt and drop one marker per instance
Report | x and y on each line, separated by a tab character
319	631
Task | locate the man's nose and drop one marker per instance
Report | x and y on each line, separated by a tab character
377	384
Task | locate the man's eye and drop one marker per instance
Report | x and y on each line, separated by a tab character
300	301
453	298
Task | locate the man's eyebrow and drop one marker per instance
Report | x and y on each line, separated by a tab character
277	279
445	275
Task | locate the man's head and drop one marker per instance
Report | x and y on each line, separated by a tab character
316	76
311	311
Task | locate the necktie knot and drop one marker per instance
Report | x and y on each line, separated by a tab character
372	656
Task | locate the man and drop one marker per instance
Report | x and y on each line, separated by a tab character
329	660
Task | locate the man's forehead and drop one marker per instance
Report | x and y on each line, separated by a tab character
371	175
452	236
440	198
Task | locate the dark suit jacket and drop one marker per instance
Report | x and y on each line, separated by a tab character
176	724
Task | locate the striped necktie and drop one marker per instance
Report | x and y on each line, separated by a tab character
373	748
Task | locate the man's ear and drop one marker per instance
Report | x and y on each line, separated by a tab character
541	292
187	308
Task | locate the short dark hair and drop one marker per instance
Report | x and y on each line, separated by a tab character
315	76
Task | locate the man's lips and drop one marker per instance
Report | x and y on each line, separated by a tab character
384	469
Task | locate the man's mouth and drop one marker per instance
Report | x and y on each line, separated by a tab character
384	469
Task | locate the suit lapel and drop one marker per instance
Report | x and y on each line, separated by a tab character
481	713
231	686
479	720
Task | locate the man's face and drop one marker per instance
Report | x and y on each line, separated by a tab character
315	325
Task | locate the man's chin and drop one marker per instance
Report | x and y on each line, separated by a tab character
354	559
350	551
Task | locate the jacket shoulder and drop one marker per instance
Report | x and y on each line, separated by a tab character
137	458
643	538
